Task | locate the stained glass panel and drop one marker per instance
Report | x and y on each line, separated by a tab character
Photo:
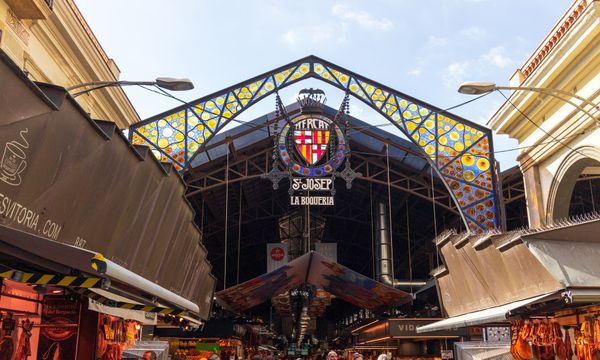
458	149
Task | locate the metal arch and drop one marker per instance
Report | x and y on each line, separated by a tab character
460	151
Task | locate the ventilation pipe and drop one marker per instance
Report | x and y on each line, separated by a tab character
384	251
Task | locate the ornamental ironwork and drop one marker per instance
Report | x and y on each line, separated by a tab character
459	150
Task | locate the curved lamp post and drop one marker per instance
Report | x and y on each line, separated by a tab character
167	83
478	88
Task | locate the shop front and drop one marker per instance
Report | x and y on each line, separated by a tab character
95	234
544	284
399	337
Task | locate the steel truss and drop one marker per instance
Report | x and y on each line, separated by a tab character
459	150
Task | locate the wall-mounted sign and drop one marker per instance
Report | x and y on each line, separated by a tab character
58	336
277	256
406	328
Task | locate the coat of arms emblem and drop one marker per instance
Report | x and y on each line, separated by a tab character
312	142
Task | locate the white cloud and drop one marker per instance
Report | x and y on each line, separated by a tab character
496	56
362	18
415	72
357	111
474	33
456	73
437	41
459	72
315	35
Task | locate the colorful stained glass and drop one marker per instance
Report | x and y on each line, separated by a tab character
458	149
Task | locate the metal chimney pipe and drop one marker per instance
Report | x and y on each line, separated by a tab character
384	251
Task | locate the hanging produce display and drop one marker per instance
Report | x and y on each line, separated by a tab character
539	339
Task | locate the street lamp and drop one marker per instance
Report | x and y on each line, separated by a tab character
167	83
482	87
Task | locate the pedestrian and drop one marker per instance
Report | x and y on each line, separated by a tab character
332	355
149	355
357	356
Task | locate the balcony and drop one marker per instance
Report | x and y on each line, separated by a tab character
31	9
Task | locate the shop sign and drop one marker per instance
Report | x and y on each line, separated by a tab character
58	335
309	156
408	327
13	162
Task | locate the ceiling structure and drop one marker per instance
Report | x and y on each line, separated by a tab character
461	152
250	209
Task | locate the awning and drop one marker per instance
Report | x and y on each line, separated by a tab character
72	187
136	315
490	315
316	269
14	242
492	270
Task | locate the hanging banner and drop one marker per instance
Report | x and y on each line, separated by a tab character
58	335
329	250
277	256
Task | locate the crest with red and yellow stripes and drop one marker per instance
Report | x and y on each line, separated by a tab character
311	144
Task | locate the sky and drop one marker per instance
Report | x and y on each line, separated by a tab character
423	48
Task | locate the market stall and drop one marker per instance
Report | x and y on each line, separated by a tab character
544	282
20	315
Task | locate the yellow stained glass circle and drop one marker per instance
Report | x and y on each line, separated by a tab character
483	164
458	146
163	143
468	160
469	175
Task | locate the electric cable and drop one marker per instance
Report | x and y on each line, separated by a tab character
226	220
239	237
390	224
437	248
536	125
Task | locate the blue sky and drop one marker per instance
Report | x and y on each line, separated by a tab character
423	48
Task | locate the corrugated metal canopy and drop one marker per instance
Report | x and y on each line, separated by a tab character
486	271
76	181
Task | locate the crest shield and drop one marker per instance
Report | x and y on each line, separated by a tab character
311	144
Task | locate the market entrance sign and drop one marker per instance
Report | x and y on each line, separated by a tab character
310	148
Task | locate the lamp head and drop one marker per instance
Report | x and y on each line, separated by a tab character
174	84
476	87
